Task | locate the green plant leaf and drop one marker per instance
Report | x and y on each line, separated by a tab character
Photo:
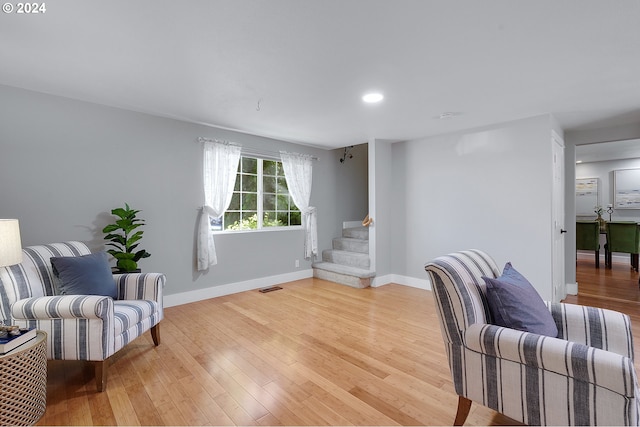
134	238
116	238
117	249
141	254
119	212
112	252
127	265
110	228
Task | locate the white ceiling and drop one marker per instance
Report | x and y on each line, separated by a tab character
295	69
613	150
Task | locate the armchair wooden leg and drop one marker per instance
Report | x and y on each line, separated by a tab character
155	334
101	374
464	406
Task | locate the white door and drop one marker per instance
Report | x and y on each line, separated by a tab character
559	230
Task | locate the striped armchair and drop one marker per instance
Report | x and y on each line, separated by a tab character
585	376
79	327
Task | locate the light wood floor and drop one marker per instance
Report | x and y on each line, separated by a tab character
313	353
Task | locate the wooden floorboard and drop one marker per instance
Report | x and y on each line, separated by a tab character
312	353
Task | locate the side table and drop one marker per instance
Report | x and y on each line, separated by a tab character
23	382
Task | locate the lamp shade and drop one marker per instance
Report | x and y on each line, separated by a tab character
10	244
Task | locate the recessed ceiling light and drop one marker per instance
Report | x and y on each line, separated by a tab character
578	161
373	97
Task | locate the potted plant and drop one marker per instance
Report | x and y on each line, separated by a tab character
124	237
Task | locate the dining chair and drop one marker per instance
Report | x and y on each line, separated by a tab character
623	237
588	238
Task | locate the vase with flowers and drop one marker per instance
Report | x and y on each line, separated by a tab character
601	221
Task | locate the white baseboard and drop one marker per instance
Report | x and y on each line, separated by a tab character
401	280
589	255
264	282
233	288
572	288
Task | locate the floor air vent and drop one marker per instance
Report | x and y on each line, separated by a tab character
271	289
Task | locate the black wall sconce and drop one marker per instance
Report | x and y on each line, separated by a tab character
346	154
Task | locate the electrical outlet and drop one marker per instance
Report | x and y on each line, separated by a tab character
297	263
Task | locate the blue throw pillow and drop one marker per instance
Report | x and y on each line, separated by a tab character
515	304
85	275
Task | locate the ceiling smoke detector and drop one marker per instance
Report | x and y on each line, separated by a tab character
446	115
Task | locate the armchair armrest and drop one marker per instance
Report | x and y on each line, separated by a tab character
594	327
146	286
573	360
63	307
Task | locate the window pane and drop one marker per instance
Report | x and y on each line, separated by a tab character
296	218
236	186
282	185
269	184
283	217
249	202
271	220
282	203
231	218
280	169
235	202
249	220
249	183
216	224
269	167
249	165
269	202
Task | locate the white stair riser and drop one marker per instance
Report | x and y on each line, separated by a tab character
343	279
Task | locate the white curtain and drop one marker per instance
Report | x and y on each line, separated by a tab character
298	171
219	174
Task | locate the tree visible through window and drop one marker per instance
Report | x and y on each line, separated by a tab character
260	198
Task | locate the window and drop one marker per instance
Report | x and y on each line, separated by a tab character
260	199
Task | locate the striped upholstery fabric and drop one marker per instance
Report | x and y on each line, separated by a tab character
584	377
79	327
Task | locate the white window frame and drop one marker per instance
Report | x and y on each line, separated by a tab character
259	201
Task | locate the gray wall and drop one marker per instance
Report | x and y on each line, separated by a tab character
65	164
488	189
352	184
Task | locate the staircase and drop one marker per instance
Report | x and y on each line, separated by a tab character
348	262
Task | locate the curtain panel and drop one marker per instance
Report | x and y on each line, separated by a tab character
220	165
298	170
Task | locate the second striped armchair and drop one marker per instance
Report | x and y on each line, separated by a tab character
584	376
